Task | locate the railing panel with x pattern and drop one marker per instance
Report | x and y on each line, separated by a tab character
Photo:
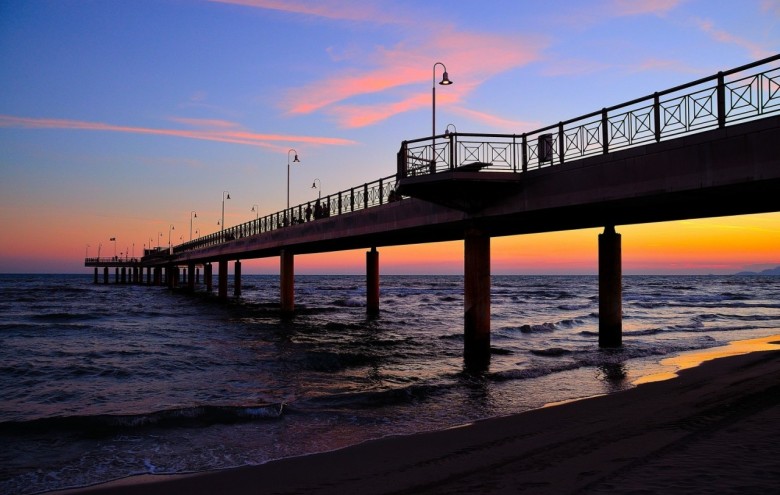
748	92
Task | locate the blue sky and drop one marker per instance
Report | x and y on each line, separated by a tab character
119	118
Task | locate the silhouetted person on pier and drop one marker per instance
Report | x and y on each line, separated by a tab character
308	212
317	210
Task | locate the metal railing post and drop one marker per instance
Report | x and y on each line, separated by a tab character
381	192
721	101
604	131
453	137
560	143
525	152
657	116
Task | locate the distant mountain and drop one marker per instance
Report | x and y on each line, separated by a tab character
770	271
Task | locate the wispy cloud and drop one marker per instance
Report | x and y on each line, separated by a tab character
507	125
643	7
210	130
398	74
328	9
403	73
756	51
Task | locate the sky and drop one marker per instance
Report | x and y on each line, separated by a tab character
124	119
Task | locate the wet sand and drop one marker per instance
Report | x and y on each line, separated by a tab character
714	429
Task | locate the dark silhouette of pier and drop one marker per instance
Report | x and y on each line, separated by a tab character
703	149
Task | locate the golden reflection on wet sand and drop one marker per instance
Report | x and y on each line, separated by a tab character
695	358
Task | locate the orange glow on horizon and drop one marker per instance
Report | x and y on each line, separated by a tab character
717	245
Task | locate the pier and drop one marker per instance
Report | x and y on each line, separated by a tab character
703	149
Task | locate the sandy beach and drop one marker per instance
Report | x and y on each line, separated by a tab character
714	429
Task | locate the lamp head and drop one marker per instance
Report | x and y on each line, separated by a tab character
445	79
296	158
228	196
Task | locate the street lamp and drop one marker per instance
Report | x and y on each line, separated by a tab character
315	185
447	130
222	224
100	245
86	255
113	239
192	215
256	209
295	160
158	240
170	228
445	81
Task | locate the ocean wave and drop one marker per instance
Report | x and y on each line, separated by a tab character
551	352
372	399
109	424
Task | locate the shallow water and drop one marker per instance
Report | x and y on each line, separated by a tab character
100	382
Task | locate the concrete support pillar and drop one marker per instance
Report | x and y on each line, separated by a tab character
208	276
477	297
197	275
105	275
372	281
170	278
96	275
237	279
183	278
287	281
148	275
223	276
191	278
157	275
610	289
116	275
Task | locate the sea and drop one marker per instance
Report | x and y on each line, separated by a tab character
101	382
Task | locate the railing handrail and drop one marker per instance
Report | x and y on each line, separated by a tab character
625	104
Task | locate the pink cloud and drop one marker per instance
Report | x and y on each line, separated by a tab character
329	9
405	72
643	7
756	51
399	73
220	131
507	125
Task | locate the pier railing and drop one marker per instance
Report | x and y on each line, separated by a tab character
119	260
744	93
370	194
729	97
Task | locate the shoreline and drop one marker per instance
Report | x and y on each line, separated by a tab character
713	427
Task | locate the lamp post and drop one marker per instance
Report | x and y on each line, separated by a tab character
445	81
192	215
113	239
222	224
295	160
315	185
86	255
100	245
170	228
256	209
158	240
